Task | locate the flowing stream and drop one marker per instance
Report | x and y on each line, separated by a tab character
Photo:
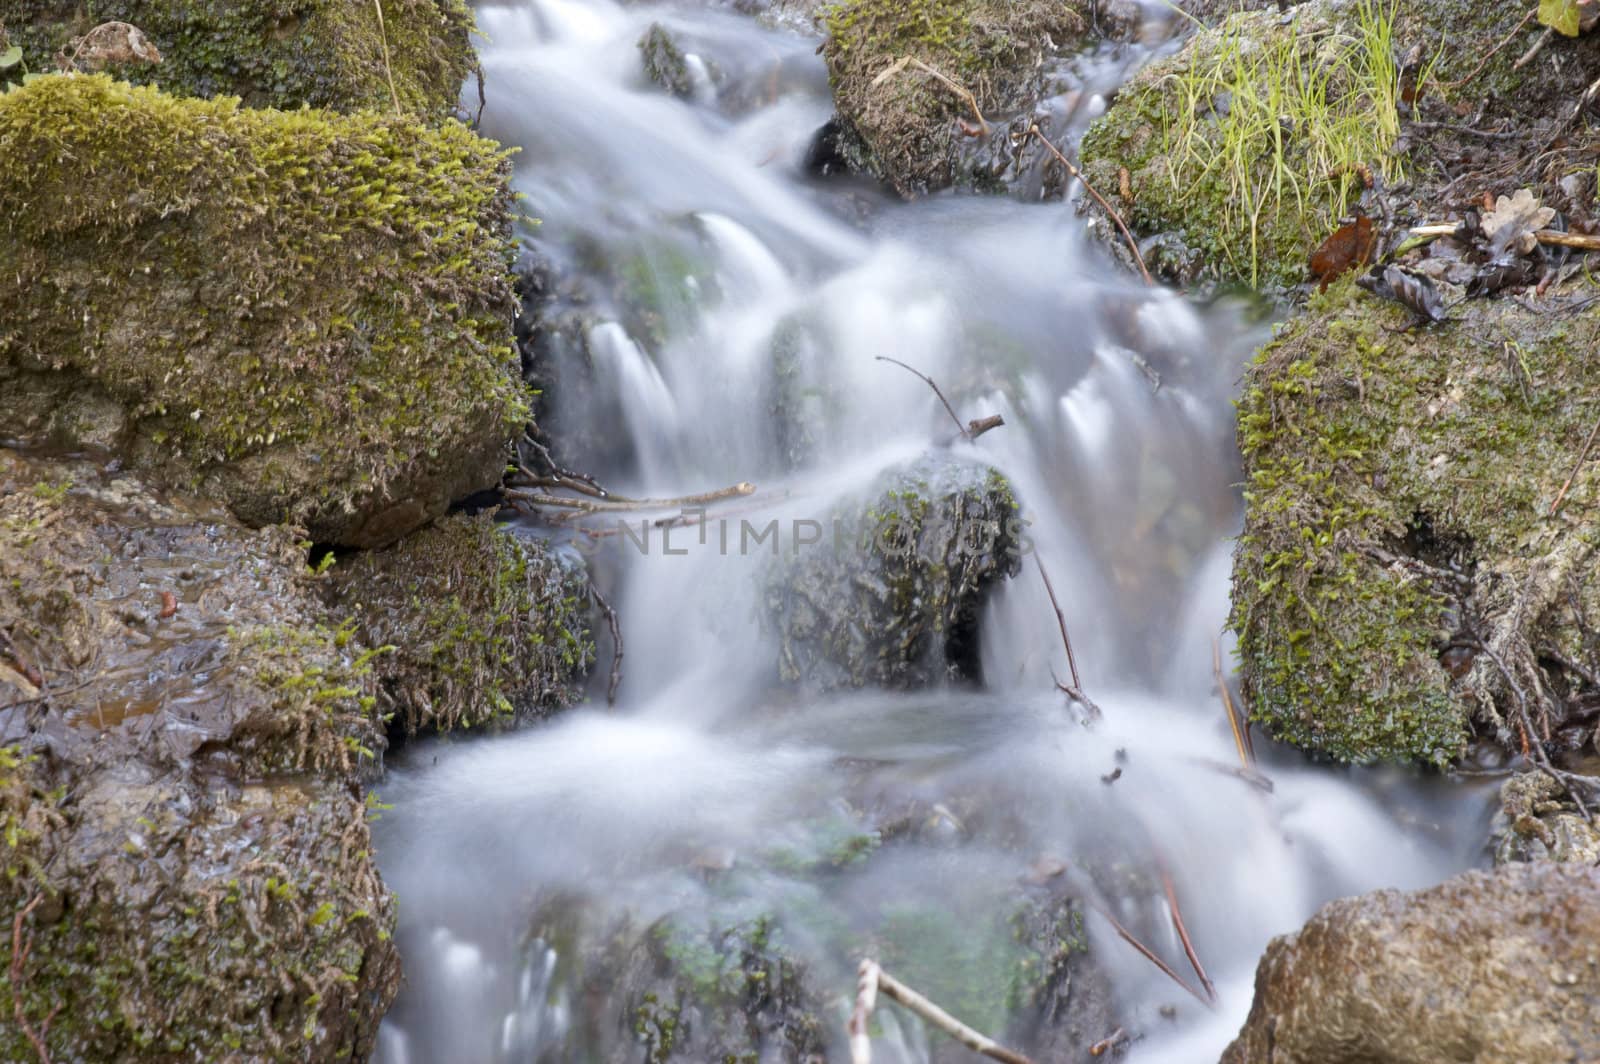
715	289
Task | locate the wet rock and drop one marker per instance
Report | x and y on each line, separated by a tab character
301	314
487	626
909	120
1537	821
1500	965
891	594
664	61
181	740
322	53
1399	497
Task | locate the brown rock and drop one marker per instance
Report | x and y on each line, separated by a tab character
1499	966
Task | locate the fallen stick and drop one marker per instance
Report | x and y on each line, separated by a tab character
1241	730
1133	245
1176	912
1577	467
1582	241
873	979
616	644
1075	691
617	504
1147	953
20	948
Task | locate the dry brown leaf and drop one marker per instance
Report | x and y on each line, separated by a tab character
1515	222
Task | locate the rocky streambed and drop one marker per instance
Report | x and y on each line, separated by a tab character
264	370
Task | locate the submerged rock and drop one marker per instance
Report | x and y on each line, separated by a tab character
908	121
1399	497
487	626
304	315
321	53
181	736
892	593
1500	966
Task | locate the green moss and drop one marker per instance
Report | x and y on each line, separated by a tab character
319	304
1376	461
277	53
908	119
1249	143
485	626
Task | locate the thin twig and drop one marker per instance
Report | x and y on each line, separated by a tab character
1538	45
1492	52
19	957
1535	748
1075	691
618	504
1146	952
616	643
950	83
383	38
873	979
1583	456
1183	934
1108	1043
1133	245
1241	729
965	433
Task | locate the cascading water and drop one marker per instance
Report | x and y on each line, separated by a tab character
720	293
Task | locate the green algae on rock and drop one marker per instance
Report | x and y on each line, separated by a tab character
486	626
179	789
277	53
906	117
892	593
303	314
1398	498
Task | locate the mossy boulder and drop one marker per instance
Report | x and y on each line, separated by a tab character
1485	966
487	626
1236	156
906	120
275	53
305	315
1404	573
182	736
892	592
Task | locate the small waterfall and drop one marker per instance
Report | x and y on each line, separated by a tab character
738	312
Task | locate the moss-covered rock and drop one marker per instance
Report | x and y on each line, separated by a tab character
891	594
908	119
181	736
276	53
487	626
305	315
1494	966
1399	496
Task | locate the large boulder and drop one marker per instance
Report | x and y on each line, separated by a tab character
305	315
182	739
485	625
892	593
275	53
1486	966
901	121
1405	572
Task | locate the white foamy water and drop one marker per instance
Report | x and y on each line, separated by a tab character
725	289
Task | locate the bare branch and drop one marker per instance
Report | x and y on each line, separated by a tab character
616	643
873	979
1133	245
1073	691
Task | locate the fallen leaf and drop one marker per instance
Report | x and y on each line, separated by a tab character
1350	247
1514	223
1416	293
1560	15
